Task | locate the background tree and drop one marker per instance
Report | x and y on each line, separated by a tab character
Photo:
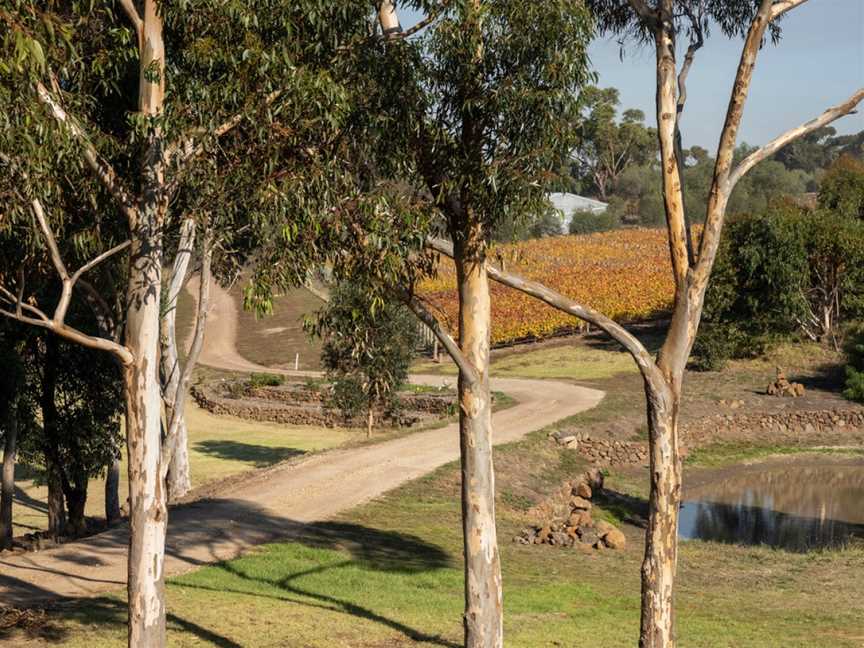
366	352
607	146
842	188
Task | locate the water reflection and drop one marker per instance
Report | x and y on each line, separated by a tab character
797	506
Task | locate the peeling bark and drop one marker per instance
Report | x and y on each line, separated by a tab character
148	514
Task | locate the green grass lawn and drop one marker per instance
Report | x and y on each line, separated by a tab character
389	574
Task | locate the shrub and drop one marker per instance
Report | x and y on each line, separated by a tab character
265	380
587	222
842	188
855	369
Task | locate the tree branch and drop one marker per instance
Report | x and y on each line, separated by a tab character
780	8
468	370
634	347
137	22
103	171
99	259
57	322
779	142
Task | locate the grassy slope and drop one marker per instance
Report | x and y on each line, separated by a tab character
389	574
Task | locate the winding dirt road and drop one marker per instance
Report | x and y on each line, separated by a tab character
277	502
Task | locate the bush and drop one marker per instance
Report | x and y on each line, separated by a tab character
842	188
855	369
586	222
265	380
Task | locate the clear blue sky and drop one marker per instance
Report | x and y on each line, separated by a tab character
819	63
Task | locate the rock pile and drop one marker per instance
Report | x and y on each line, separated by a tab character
604	452
782	386
567	520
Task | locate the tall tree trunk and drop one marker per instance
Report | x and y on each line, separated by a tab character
483	620
148	517
148	505
179	479
661	538
370	420
112	492
10	452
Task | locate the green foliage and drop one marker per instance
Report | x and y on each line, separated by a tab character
368	347
608	145
842	188
778	273
855	368
266	380
588	222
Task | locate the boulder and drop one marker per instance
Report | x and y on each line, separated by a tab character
583	490
580	503
615	539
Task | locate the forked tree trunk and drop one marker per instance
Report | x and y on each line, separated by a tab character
179	478
10	453
483	620
661	538
112	492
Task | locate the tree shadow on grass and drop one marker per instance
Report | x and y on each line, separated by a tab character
209	531
47	624
258	455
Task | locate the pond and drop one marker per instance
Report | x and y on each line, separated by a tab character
798	505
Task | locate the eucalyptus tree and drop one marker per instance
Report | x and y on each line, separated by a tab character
483	102
137	100
608	145
661	23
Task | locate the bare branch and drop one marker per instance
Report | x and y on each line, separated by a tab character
779	142
468	370
634	347
103	171
50	241
780	8
123	355
99	259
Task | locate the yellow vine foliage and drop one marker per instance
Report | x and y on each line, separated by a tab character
625	274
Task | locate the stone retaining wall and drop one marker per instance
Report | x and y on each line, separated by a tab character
798	425
298	405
